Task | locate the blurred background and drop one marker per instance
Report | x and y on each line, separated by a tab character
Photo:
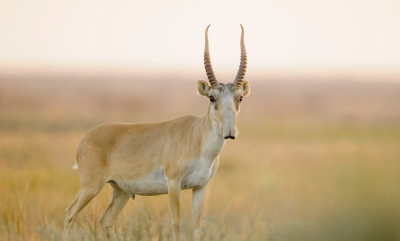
318	153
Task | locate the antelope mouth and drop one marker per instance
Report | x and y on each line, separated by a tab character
229	137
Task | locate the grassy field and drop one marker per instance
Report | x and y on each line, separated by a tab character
313	161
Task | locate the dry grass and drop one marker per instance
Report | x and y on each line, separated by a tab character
313	161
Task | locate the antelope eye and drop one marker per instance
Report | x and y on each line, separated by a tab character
212	98
241	98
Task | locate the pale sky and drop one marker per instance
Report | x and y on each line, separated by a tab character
357	36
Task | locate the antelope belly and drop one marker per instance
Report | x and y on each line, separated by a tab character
153	184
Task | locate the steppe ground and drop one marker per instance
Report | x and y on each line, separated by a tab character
315	159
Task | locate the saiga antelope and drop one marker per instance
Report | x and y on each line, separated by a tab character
161	157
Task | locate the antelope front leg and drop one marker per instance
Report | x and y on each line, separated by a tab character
174	203
197	199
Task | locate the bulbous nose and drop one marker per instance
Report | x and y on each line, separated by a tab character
228	115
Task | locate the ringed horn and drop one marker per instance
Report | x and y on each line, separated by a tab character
242	67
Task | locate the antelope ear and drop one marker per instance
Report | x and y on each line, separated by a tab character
203	87
245	87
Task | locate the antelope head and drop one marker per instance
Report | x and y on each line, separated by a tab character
225	99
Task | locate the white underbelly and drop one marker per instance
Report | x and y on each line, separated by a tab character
153	184
143	188
156	183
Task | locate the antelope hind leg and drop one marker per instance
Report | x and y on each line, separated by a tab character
86	193
117	203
